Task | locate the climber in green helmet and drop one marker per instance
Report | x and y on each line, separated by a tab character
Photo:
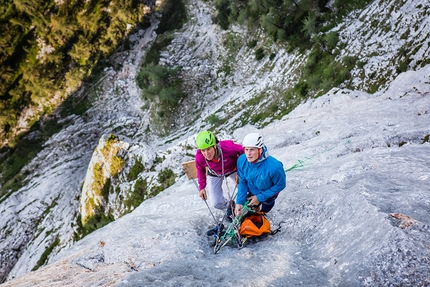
215	160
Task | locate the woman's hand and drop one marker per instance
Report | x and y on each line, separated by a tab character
202	194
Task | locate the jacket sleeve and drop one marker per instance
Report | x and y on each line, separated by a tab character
201	171
279	179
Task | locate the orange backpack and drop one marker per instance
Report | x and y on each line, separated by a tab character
255	224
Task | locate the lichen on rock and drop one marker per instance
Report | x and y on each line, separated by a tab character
106	162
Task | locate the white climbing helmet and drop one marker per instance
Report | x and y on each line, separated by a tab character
253	140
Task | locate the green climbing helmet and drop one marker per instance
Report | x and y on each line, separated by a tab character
205	139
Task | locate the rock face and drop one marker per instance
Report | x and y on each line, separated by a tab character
324	205
355	211
107	161
41	219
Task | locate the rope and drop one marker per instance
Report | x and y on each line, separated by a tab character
195	183
273	232
303	163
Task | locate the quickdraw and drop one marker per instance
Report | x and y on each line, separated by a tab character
232	234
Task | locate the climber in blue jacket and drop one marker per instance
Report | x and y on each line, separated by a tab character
261	176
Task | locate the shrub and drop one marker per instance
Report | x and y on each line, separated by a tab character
251	44
165	178
214	120
259	54
135	170
174	14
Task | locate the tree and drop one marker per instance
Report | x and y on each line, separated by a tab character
309	26
81	51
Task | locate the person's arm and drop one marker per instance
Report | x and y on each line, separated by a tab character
201	177
278	177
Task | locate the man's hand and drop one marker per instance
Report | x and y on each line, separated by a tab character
253	201
238	209
202	194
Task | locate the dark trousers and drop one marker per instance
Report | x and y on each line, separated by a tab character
267	205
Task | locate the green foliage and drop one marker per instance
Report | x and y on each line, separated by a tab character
44	257
349	61
166	178
331	39
302	24
259	54
76	36
222	17
173	16
75	105
135	170
301	88
171	95
158	160
214	120
137	195
158	81
342	7
116	165
251	44
95	222
255	118
309	26
106	188
226	69
153	55
426	138
161	82
402	67
98	178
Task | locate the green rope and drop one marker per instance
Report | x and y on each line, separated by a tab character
301	163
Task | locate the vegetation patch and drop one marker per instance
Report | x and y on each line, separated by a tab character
93	223
110	153
137	195
135	170
174	15
21	151
259	54
46	48
303	25
166	178
45	255
159	83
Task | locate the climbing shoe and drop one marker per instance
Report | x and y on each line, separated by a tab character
214	230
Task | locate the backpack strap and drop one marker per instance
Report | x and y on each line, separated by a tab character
273	232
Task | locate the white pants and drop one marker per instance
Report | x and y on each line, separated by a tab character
216	193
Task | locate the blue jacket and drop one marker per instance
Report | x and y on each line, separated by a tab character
265	178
